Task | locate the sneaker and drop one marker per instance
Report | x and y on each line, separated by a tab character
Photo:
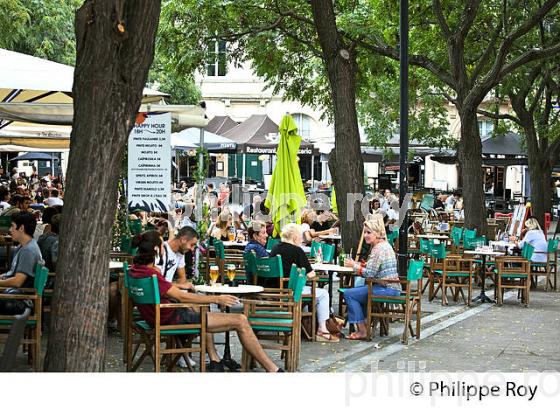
215	367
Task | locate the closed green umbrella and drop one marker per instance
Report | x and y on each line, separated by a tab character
286	196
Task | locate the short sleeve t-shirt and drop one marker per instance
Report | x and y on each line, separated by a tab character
170	262
24	260
148	312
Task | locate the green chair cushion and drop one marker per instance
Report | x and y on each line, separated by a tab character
10	321
273	324
514	275
383	300
458	274
145	326
342	290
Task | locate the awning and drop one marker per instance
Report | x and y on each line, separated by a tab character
62	114
506	144
190	138
220	124
258	134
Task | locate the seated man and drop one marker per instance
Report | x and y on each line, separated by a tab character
149	245
26	255
20	204
48	242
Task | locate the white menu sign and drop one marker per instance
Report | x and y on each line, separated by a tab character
149	163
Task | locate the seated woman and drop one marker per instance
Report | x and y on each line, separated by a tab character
308	219
382	266
222	227
149	246
257	239
291	253
534	237
257	243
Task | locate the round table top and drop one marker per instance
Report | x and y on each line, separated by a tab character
229	244
432	236
114	265
503	244
234	290
332	237
489	253
330	267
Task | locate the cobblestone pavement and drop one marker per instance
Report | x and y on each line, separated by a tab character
453	338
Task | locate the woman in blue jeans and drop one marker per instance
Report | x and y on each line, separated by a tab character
381	266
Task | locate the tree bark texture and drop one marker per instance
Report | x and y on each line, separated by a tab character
115	47
469	155
345	163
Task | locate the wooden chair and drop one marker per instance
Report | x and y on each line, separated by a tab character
437	258
11	346
408	303
225	257
514	272
278	314
145	291
32	338
548	268
270	243
456	237
457	273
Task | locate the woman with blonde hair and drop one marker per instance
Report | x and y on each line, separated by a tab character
534	237
381	266
291	253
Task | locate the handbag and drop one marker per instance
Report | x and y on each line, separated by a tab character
14	306
334	325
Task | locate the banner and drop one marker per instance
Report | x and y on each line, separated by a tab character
149	164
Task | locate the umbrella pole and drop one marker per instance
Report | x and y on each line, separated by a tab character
243	170
312	171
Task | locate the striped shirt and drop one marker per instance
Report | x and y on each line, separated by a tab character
382	264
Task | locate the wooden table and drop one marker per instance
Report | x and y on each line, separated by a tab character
482	298
220	289
330	268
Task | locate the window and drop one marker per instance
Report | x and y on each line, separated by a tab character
217	59
303	123
485	128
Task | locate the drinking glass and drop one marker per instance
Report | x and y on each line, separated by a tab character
231	236
231	273
214	274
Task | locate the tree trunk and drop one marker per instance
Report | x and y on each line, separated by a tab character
346	164
115	47
469	154
540	171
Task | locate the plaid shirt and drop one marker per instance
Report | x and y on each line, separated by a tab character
382	264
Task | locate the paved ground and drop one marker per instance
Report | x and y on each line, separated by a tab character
453	338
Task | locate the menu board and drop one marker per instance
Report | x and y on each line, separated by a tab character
149	164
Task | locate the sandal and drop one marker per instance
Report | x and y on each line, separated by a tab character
354	336
326	337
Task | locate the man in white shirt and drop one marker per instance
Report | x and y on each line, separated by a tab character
173	261
450	201
54	200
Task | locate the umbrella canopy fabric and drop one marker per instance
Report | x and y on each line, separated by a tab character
220	124
34	156
34	137
190	138
24	78
286	196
